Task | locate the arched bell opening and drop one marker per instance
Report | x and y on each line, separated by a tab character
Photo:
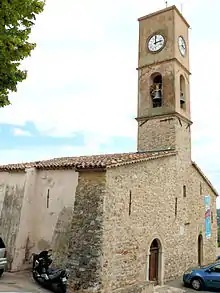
182	92
156	90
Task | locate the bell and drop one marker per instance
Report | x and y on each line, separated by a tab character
182	98
157	95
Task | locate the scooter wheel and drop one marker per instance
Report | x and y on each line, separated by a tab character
34	277
63	288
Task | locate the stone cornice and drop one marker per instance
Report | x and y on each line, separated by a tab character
164	61
168	115
173	7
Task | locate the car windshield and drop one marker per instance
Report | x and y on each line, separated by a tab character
2	244
207	266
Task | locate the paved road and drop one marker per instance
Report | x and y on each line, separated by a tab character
23	282
178	284
19	282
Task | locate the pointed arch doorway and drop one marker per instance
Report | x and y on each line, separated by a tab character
155	261
200	250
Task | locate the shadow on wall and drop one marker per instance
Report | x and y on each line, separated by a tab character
10	218
62	235
59	243
43	245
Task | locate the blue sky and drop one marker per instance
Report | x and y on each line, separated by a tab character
81	93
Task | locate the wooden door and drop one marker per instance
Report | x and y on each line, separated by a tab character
154	262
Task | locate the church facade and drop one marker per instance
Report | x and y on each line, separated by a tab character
120	221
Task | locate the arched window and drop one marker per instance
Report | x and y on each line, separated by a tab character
156	89
182	92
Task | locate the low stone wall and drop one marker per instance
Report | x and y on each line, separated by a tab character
145	287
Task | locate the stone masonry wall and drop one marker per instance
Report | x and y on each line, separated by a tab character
55	197
165	133
127	238
36	213
168	62
196	212
157	134
12	186
145	108
145	287
27	220
196	189
85	250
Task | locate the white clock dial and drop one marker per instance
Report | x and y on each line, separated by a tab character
156	43
182	46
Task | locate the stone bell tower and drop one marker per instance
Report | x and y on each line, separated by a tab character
163	82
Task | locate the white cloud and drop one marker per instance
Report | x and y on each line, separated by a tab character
84	46
45	153
21	132
82	74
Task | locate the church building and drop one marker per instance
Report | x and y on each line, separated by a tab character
122	222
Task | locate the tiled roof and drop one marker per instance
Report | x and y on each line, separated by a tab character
90	162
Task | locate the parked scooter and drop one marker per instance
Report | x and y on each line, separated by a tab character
52	279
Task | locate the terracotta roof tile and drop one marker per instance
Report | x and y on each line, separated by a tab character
89	162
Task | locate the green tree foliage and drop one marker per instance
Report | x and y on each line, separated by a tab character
16	20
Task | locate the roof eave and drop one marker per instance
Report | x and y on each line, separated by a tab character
205	178
169	154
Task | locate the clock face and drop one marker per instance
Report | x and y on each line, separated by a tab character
156	43
182	46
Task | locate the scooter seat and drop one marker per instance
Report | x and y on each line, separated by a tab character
52	270
54	273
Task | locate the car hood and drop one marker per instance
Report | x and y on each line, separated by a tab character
198	268
195	268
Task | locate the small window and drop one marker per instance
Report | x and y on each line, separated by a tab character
175	207
182	93
48	198
129	208
201	188
184	190
211	217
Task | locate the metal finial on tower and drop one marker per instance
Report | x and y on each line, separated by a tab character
166	3
181	8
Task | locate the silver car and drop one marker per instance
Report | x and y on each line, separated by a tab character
3	257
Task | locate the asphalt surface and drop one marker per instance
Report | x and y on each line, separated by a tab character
23	282
178	284
19	282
